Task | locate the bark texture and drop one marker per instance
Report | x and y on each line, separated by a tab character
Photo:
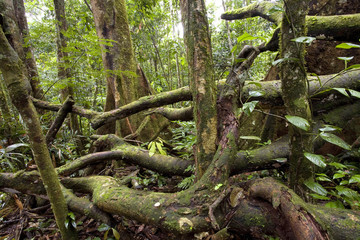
295	91
15	79
202	82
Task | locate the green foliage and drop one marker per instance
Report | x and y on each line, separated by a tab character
12	159
188	181
184	138
149	177
156	146
338	184
70	220
299	122
106	229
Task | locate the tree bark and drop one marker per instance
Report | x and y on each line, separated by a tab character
203	87
28	58
295	91
15	79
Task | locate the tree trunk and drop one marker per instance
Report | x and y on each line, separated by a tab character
28	57
295	91
202	81
15	79
123	84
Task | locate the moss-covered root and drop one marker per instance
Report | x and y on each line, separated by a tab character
85	207
307	221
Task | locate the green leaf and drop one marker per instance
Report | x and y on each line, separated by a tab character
344	182
245	37
329	128
317	196
335	204
347	45
323	179
345	58
218	186
73	223
67	220
233	49
250	138
257	93
299	122
152	149
342	91
255	83
304	39
14	146
159	147
284	59
249	107
355	179
352	67
116	234
348	192
71	215
314	186
103	227
338	175
280	160
354	93
331	138
338	165
316	159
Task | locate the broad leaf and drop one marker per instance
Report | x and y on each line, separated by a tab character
329	128
257	93
347	45
348	192
255	83
355	179
354	93
303	39
280	160
342	91
314	186
323	179
299	122
316	159
345	58
249	107
338	165
338	175
331	138
152	149
245	37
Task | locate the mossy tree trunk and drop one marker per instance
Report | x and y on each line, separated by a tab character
295	90
15	79
202	82
28	57
125	82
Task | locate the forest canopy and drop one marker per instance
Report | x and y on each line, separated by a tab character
191	119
